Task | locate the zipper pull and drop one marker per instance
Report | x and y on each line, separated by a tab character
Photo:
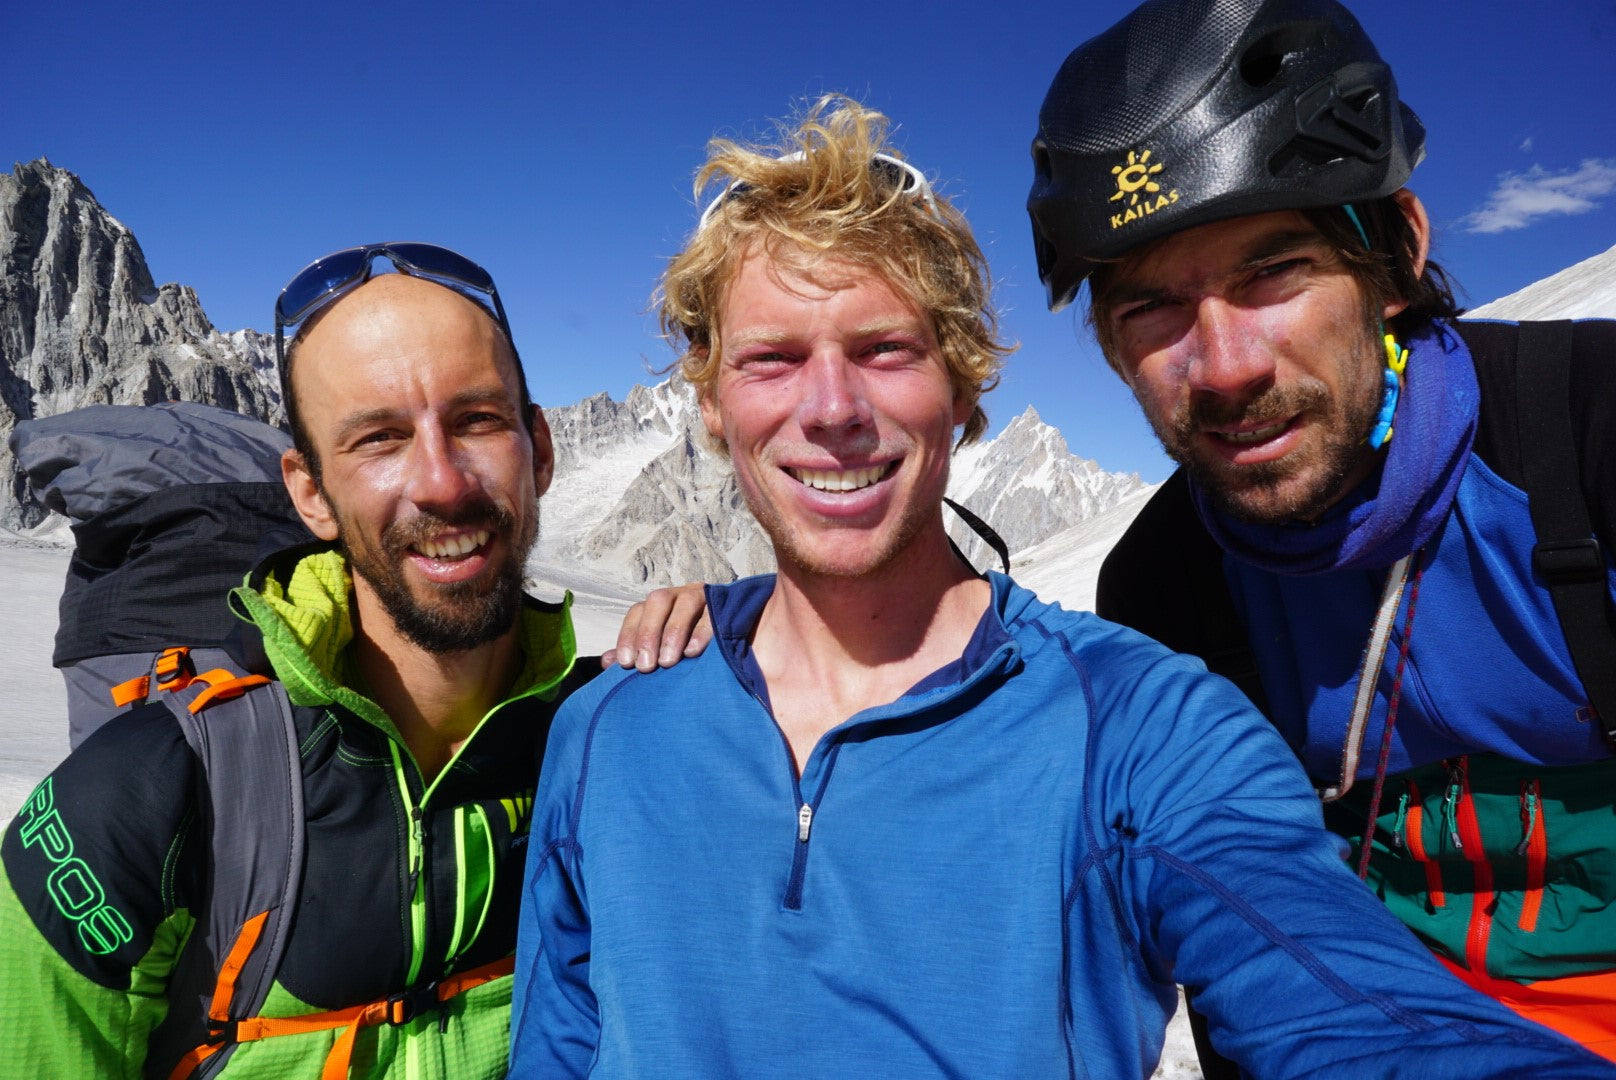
1450	805
415	861
1402	821
1528	815
805	820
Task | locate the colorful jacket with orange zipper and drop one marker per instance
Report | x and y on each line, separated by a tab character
398	956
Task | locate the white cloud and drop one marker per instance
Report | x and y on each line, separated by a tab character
1521	198
1526	144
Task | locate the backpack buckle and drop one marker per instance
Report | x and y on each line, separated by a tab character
173	668
221	1031
406	1005
1569	562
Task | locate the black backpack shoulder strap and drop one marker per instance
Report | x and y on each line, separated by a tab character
1567	556
1165	579
254	818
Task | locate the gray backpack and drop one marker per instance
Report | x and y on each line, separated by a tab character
171	505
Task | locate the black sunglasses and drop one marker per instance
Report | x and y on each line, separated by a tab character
328	279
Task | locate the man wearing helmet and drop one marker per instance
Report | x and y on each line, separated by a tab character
1227	175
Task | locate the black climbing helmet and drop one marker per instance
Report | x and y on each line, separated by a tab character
1190	111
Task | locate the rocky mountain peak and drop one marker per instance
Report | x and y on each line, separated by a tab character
1029	418
83	323
1028	485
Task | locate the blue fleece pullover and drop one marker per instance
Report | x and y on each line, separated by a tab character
1000	874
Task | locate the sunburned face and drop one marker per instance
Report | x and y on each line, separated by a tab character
837	411
1254	356
430	477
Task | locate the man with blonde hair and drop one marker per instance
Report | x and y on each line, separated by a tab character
907	820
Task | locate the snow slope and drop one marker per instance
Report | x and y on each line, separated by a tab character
35	723
1585	290
1066	567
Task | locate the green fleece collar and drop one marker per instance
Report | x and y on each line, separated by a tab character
307	625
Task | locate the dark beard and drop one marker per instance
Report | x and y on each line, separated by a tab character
468	614
1252	498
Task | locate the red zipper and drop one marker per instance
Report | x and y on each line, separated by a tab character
1481	902
1416	848
1536	843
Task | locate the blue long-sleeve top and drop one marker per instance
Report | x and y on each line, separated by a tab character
1002	873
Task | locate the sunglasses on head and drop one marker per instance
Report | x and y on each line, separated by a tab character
328	279
908	179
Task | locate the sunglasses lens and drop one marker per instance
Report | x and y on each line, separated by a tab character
893	173
317	280
436	261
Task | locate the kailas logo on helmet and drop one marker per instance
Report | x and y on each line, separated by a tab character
1137	184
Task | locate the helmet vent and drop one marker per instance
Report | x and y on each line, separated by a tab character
1266	58
1259	71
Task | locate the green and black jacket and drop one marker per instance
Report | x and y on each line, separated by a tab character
403	883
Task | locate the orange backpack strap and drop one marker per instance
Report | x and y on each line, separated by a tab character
171	670
223	993
397	1010
223	685
131	691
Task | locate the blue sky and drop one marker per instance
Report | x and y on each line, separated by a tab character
555	144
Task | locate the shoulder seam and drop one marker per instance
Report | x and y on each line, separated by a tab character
583	758
327	722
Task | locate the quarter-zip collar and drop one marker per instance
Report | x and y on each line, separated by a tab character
992	652
989	656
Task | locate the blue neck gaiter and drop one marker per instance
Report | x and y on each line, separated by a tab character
1401	505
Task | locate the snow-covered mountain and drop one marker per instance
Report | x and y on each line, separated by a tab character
1065	567
1585	290
1029	486
637	502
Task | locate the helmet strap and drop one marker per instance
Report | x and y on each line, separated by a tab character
1396	358
1357	223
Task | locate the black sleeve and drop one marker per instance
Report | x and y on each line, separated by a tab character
1165	579
97	854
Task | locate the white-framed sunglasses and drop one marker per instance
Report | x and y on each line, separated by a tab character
910	181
